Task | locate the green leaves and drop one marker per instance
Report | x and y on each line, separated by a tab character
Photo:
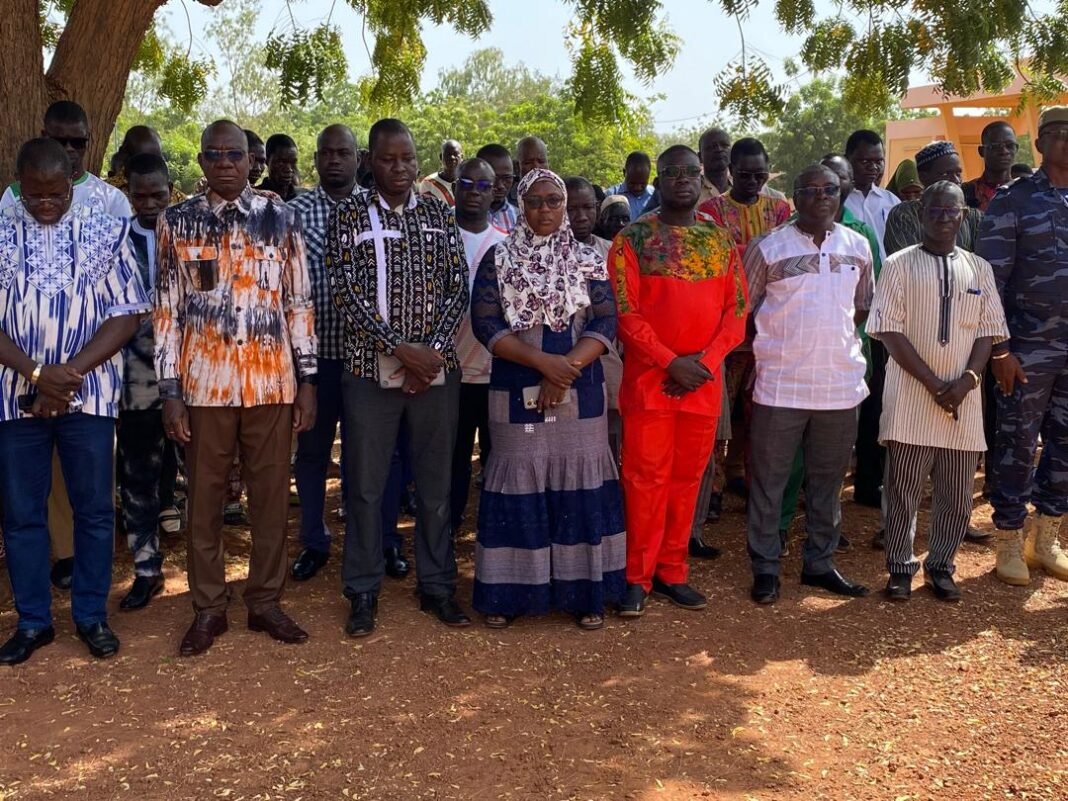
746	90
306	61
184	82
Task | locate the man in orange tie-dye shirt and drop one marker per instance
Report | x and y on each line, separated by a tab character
236	360
682	306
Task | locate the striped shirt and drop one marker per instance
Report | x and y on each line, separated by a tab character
505	218
314	209
475	360
942	305
904	227
58	284
804	300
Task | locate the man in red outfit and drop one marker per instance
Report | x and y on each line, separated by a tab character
682	308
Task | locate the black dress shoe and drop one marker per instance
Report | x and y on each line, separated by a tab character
699	549
62	575
942	585
765	588
715	507
396	565
308	563
445	609
844	545
873	500
899	587
878	542
23	643
144	589
680	594
835	582
978	535
633	603
364	610
100	638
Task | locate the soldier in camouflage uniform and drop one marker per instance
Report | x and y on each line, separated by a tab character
1025	237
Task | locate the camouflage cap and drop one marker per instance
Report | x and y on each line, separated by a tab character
1051	115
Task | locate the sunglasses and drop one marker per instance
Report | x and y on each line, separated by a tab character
943	212
817	191
674	171
76	142
482	185
536	202
233	156
743	175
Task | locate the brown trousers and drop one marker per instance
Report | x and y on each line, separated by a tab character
263	435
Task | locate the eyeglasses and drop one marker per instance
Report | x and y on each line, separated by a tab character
936	213
481	185
675	171
1008	147
1060	134
814	192
76	142
743	175
34	201
537	201
233	156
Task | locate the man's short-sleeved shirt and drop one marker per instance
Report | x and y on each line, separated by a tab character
873	209
58	284
805	297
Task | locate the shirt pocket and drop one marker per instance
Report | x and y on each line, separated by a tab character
201	266
269	261
969	310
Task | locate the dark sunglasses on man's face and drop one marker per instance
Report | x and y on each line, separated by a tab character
674	171
482	185
746	175
536	202
233	156
817	191
76	142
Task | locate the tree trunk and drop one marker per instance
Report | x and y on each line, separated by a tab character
92	62
23	93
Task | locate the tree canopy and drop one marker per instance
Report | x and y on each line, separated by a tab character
963	45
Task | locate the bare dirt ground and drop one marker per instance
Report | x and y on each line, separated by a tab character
814	698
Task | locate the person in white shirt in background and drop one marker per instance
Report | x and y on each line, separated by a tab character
475	180
810	286
869	202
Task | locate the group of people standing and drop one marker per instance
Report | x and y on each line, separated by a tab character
606	350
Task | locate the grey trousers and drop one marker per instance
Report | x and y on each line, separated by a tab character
952	475
708	480
373	418
774	437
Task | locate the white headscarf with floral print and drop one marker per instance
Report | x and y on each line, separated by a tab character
543	279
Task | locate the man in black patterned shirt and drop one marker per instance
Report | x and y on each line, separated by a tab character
397	267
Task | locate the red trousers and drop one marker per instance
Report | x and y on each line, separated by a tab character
665	453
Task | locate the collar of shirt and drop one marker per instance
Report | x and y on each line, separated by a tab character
408	205
219	205
830	239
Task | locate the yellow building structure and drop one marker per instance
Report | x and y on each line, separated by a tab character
960	120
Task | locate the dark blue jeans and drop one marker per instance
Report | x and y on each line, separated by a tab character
85	444
313	457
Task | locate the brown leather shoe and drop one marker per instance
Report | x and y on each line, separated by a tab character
278	624
201	635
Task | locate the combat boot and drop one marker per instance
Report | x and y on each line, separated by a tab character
1011	567
1042	549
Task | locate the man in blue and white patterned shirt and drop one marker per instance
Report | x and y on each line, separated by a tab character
336	160
70	298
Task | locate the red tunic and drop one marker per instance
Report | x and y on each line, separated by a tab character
680	290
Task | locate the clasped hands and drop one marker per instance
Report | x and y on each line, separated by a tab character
421	365
685	374
56	387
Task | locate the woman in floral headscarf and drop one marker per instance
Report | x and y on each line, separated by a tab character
550	528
